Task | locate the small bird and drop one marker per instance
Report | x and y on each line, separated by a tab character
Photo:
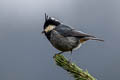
63	37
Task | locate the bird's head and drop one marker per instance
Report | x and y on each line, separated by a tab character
50	24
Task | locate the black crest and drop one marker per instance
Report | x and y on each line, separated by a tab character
50	21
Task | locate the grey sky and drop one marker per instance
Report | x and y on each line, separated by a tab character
26	54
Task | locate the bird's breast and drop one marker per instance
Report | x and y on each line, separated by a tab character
64	43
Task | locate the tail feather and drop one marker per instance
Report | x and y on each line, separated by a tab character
96	39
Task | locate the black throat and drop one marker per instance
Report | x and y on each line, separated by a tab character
48	34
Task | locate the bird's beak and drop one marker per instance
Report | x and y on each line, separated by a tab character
43	32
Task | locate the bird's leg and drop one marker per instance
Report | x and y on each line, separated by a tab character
60	53
71	52
70	57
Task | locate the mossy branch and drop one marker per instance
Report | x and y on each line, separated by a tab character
72	68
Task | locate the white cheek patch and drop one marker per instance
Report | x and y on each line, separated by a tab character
49	28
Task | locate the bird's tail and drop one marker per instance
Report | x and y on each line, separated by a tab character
97	39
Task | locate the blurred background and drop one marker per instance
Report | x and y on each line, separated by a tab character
26	54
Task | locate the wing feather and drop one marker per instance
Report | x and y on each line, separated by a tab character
67	31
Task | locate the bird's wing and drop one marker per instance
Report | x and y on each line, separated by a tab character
67	31
80	34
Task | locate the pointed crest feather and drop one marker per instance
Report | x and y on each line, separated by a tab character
46	16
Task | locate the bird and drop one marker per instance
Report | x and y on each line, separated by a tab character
64	37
